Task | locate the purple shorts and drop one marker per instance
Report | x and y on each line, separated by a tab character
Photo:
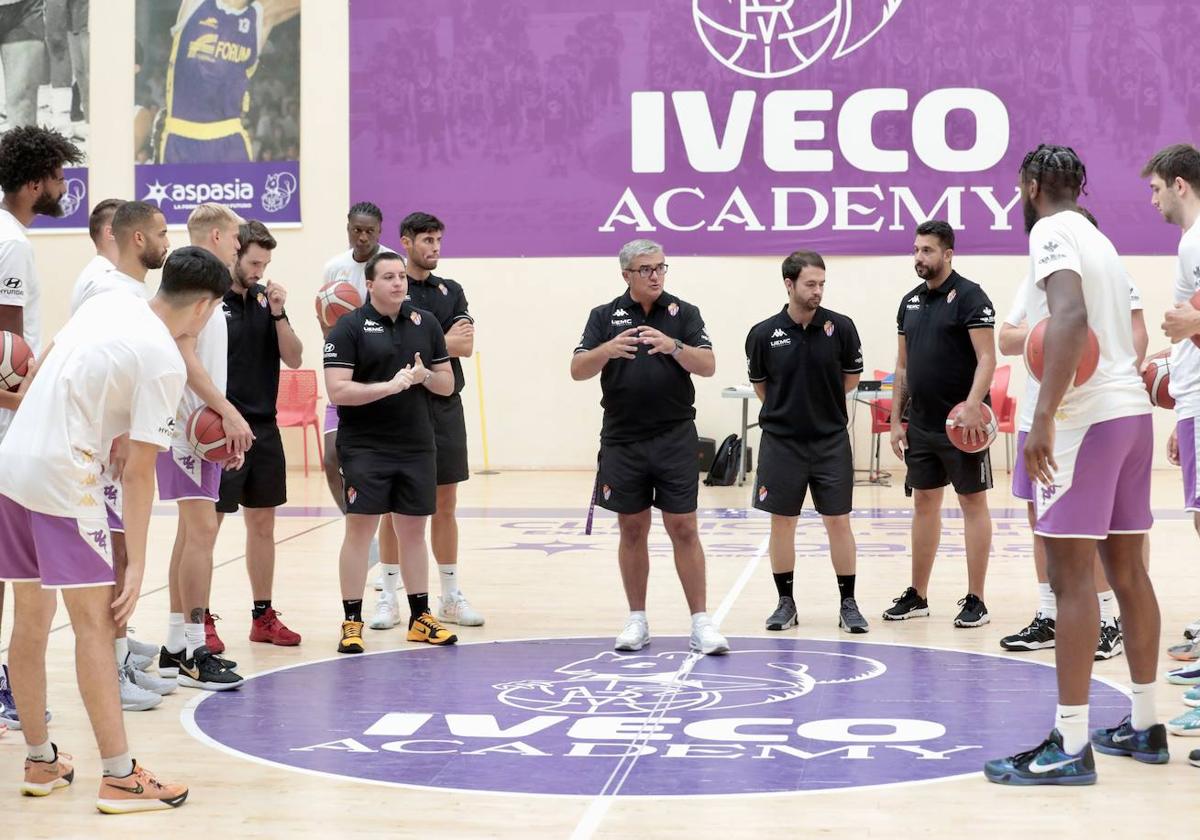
113	506
331	418
1185	431
58	551
184	475
1102	485
1022	484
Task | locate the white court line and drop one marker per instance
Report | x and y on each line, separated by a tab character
597	809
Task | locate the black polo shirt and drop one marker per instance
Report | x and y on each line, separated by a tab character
646	395
448	303
803	368
253	383
936	325
376	348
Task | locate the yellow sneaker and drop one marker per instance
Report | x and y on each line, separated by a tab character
42	778
351	637
139	791
425	628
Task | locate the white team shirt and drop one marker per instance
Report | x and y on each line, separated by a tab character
1185	356
86	284
19	287
345	268
1068	241
212	347
98	383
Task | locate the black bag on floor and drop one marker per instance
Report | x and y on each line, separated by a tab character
725	465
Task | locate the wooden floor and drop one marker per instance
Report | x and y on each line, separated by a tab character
527	565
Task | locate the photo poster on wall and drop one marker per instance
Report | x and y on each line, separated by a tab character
727	127
217	107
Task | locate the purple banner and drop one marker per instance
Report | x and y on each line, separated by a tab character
74	204
540	128
269	192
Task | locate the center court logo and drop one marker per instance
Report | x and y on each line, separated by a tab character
568	716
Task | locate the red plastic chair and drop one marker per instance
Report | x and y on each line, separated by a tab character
1005	408
881	424
297	406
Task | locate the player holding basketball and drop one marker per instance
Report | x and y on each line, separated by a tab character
97	384
803	361
376	374
947	356
1089	452
646	345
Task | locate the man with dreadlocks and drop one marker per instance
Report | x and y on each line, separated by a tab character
1089	453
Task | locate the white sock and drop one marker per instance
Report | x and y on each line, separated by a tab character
176	641
1107	602
391	576
41	752
1047	603
638	615
1072	723
121	646
700	618
1143	715
449	577
194	638
119	766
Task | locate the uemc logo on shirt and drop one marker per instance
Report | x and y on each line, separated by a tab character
370	326
620	318
780	339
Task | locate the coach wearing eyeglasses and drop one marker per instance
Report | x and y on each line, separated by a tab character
646	345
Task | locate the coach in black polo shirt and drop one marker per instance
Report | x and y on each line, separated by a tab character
646	345
803	361
947	355
260	337
376	374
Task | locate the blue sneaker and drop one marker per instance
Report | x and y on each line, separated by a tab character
1186	724
1045	764
1186	675
1148	746
1191	697
8	706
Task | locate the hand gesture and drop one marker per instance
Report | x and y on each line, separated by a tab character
276	297
624	346
403	380
419	371
1181	322
656	341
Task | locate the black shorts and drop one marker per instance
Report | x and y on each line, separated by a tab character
377	481
933	462
788	468
262	480
659	471
450	431
23	21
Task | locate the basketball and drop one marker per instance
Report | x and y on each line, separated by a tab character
335	300
206	435
955	433
14	360
1035	355
1157	379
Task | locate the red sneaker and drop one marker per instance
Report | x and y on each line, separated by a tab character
211	640
268	628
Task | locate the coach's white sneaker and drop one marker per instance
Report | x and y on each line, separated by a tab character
705	637
387	613
455	609
145	650
636	634
147	681
133	697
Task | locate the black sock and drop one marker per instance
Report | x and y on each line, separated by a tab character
846	586
261	607
418	605
353	609
783	583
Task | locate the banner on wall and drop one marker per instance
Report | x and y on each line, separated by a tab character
217	114
545	128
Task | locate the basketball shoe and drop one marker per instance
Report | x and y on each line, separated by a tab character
973	613
134	698
1186	675
148	681
1112	642
203	670
1185	652
1187	723
42	778
1148	746
784	616
139	647
168	662
706	639
1037	636
1194	758
268	628
1045	764
850	619
352	641
635	636
1191	697
908	605
211	640
139	791
387	612
455	609
1192	631
426	628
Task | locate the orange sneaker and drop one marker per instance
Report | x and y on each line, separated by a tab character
139	791
42	778
426	628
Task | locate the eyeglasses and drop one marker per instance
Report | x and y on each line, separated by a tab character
645	271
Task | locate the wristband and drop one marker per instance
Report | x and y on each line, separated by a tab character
282	316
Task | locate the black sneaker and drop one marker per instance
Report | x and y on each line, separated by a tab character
784	616
1194	758
908	605
203	670
1039	635
850	619
1112	642
973	614
168	663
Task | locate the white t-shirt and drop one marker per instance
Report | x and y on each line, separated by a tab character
1067	241
19	287
345	267
97	383
1185	356
212	347
100	276
1017	315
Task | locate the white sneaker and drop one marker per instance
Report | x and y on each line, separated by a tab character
134	698
455	609
707	640
137	646
148	681
1192	630
635	636
387	613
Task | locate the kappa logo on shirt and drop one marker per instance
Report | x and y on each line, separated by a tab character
370	326
619	313
1051	247
914	302
778	333
780	338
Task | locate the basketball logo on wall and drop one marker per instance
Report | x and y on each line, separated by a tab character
768	39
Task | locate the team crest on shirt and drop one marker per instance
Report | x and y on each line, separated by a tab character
950	297
673	309
762	494
607	491
262	300
442	288
415	317
351	495
829	328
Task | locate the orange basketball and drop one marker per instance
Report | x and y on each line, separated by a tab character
956	433
15	357
1157	379
1035	354
335	300
206	435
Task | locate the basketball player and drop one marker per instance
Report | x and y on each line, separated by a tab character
22	52
947	355
100	231
803	361
260	338
97	384
1039	634
31	164
646	344
191	651
67	47
215	50
1089	450
375	374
